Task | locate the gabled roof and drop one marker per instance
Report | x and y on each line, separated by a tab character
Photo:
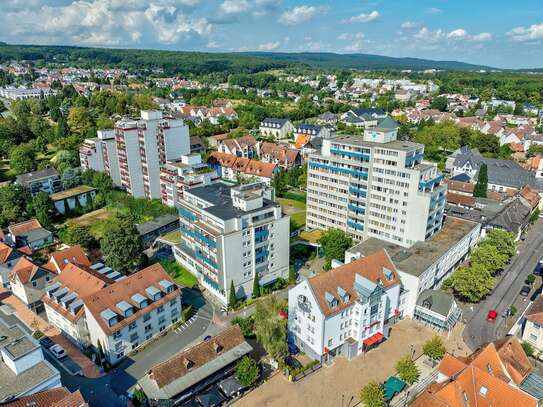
74	254
5	252
22	228
274	120
372	267
26	271
57	397
535	312
24	179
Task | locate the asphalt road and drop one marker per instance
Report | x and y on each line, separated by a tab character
478	330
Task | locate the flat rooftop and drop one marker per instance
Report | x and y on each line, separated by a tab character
419	257
81	189
396	144
20	347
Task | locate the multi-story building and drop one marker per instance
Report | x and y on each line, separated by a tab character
23	369
46	180
133	310
9	257
185	172
375	186
27	281
140	148
276	128
246	146
345	311
231	235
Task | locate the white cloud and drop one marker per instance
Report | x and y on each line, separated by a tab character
458	34
430	37
433	10
351	36
523	34
301	14
234	6
269	46
482	37
408	25
364	18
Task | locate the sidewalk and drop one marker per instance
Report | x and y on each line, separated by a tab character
34	322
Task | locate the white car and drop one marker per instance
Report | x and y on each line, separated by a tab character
58	351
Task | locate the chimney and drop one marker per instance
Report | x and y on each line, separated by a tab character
217	347
187	363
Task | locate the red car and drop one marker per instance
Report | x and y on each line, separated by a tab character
492	315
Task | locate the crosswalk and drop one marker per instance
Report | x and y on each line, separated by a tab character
187	324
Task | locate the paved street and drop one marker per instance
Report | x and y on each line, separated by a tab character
478	330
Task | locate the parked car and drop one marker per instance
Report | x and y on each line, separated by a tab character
492	315
58	351
524	291
46	342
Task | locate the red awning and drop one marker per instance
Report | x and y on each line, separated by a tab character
373	339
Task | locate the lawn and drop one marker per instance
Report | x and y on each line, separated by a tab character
182	276
98	221
312	236
298	219
174	236
291	203
295	209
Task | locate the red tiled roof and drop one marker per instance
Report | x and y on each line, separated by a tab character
5	252
74	254
58	397
25	270
459	199
23	227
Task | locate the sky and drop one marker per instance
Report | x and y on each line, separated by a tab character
498	33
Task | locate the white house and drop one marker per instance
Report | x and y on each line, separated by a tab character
276	128
347	310
72	198
532	331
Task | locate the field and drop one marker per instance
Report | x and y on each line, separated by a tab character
97	220
295	209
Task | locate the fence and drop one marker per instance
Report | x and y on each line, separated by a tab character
307	372
407	396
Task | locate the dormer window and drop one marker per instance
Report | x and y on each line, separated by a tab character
389	275
483	390
344	295
125	308
140	301
330	300
167	286
109	316
153	293
188	363
217	347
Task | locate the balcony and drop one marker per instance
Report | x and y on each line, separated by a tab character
357	191
355	225
430	183
350	154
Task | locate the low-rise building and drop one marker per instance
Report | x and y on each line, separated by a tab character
276	128
231	167
8	259
59	259
28	233
46	180
27	281
157	227
23	369
245	146
57	397
73	198
232	234
426	264
532	331
132	311
437	309
347	310
279	154
196	368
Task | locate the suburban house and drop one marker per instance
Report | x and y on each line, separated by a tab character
498	374
276	128
56	397
28	233
532	331
28	281
197	146
73	198
437	309
213	114
196	368
61	258
347	310
365	118
23	369
133	310
279	154
426	264
64	300
230	235
8	259
229	167
157	227
315	130
245	146
46	180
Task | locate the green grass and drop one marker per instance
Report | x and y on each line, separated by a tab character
291	202
179	274
174	236
298	219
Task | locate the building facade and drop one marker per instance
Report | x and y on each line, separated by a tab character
141	147
375	186
232	234
276	128
46	180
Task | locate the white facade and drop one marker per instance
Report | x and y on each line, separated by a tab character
375	187
26	93
231	234
276	128
100	154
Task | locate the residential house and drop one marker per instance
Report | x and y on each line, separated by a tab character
532	329
64	300
437	309
27	281
132	311
365	118
498	374
196	368
347	310
426	264
231	234
8	259
530	109
279	154
313	130
59	259
197	146
245	146
56	397
28	233
151	230
327	118
23	369
214	141
230	167
214	114
277	128
73	198
46	180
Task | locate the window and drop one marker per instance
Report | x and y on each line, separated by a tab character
533	337
34	283
161	320
160	309
174	312
133	337
132	326
483	390
173	302
146	317
116	335
148	327
330	341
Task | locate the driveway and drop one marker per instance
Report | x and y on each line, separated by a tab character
478	331
344	379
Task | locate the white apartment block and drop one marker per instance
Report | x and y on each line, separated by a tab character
426	264
12	93
132	311
532	329
140	147
375	186
276	128
231	234
347	310
186	172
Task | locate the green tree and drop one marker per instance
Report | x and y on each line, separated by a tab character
247	371
434	348
440	103
41	206
481	187
79	120
13	204
232	298
334	242
407	370
256	286
79	234
528	349
271	329
102	182
121	245
502	240
489	257
472	283
292	275
71	178
279	183
22	159
372	395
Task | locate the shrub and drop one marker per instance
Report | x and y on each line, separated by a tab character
434	348
247	371
528	349
186	313
407	370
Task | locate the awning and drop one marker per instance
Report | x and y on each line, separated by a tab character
393	386
372	340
